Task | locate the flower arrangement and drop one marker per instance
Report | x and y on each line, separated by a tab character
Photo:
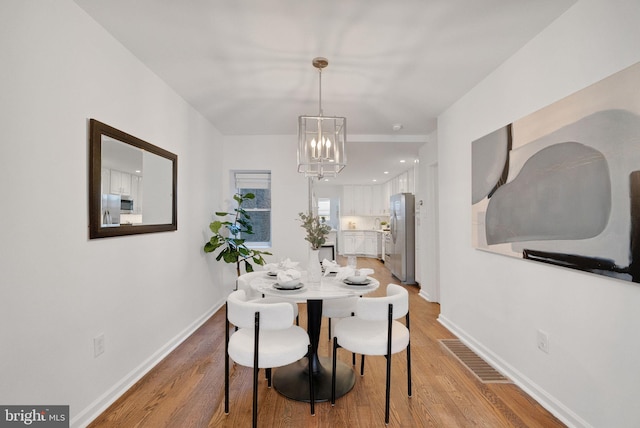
316	231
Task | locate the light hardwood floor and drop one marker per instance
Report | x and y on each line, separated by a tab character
187	388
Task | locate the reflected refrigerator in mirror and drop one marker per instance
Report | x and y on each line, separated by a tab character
110	210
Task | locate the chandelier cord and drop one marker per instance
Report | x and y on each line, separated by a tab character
320	92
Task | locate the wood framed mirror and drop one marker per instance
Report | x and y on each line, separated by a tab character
132	184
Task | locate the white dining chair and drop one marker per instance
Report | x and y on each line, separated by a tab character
339	308
244	283
266	338
375	331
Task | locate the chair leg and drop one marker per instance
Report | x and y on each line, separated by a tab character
408	355
362	365
353	354
333	373
268	376
255	396
388	390
255	369
409	369
329	331
312	393
226	363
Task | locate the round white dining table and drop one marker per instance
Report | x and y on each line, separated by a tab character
292	380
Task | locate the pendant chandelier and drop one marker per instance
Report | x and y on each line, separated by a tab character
321	139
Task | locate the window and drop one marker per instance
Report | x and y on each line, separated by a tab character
259	209
324	209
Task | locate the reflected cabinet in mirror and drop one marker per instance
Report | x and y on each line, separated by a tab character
132	184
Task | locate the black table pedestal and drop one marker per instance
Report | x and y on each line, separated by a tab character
292	380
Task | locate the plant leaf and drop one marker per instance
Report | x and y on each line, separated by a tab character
215	226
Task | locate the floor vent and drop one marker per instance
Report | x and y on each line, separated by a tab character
480	368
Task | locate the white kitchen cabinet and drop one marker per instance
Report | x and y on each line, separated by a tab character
366	200
404	183
105	181
376	200
357	200
361	243
380	198
136	193
386	198
349	243
120	182
371	244
348	203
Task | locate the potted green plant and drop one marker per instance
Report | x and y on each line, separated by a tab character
316	231
227	237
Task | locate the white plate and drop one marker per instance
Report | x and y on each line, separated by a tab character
360	283
297	287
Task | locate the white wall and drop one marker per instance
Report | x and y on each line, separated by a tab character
58	288
590	376
427	230
289	190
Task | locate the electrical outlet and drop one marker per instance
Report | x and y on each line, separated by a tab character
543	341
98	345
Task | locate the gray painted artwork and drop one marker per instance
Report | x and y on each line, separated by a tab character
562	192
489	155
562	186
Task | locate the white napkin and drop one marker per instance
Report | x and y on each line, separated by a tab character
271	267
365	271
329	266
346	272
288	275
281	265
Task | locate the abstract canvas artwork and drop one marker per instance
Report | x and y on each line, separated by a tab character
562	185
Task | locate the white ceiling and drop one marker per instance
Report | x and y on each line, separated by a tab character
246	64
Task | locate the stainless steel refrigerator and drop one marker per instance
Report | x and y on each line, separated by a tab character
401	258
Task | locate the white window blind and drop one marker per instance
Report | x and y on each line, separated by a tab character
253	180
324	207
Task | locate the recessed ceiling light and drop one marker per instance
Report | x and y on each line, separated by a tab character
386	172
397	126
375	179
402	161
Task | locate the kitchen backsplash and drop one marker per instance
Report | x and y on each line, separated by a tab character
362	223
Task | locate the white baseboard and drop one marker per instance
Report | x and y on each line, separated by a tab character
425	296
87	415
546	400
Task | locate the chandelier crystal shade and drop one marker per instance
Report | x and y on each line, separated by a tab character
321	139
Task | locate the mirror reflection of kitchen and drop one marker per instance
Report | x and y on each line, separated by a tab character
121	183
